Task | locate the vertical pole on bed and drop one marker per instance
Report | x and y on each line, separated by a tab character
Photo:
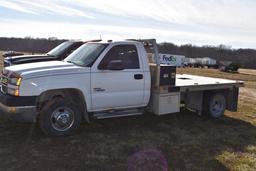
157	60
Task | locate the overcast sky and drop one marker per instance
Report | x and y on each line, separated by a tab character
198	22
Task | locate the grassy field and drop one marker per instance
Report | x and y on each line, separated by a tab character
185	141
247	71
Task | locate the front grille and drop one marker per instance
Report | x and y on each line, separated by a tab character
4	83
4	89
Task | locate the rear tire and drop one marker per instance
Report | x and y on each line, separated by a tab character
214	104
59	117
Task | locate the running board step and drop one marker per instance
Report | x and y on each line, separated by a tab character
116	114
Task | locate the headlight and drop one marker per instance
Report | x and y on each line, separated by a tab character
11	83
14	92
15	81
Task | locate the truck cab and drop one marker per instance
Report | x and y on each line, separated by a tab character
107	76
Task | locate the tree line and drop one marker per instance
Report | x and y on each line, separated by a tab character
246	58
29	44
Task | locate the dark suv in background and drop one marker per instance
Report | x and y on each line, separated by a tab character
58	53
12	53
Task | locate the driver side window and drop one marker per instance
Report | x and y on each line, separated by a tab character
127	54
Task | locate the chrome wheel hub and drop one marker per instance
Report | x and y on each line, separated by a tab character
62	119
217	107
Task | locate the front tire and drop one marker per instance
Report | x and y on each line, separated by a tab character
214	104
59	117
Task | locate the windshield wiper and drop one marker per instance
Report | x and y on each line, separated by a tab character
73	62
70	62
48	54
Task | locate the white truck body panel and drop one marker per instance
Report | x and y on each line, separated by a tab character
49	76
111	90
165	103
44	69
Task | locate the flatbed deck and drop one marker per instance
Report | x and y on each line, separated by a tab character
194	83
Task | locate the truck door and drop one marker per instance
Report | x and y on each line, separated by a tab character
118	80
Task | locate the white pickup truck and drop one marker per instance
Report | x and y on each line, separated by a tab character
104	80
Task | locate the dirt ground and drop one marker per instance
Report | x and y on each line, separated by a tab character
182	141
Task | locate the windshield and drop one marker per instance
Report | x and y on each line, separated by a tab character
86	54
60	49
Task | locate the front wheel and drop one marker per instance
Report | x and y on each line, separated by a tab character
59	117
215	105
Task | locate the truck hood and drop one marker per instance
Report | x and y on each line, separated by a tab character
43	69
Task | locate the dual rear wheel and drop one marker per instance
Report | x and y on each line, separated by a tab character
214	104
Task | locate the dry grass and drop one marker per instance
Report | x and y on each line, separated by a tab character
247	71
186	141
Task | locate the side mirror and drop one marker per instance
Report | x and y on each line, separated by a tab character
115	65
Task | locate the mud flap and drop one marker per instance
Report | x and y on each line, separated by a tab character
232	99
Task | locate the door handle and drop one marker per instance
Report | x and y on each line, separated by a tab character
99	89
138	76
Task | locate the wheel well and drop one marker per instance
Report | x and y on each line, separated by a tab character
196	100
74	95
231	96
226	93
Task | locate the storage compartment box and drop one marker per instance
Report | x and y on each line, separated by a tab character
164	103
167	75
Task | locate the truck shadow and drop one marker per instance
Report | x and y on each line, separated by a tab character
186	141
